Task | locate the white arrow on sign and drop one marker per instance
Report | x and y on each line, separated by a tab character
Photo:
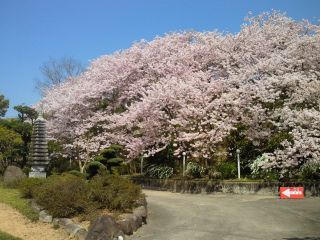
287	193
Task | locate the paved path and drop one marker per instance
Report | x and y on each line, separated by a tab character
174	216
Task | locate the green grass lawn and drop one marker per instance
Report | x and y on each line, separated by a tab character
13	198
6	236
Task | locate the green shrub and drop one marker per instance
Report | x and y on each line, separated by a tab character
159	171
113	192
111	157
63	196
76	173
310	171
28	186
194	170
26	170
93	168
228	170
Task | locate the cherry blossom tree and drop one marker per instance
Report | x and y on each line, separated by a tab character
190	89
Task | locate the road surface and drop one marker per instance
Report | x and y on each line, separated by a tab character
175	216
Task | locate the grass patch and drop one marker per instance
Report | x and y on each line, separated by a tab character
14	198
6	236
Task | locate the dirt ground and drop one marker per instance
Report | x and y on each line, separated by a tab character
12	222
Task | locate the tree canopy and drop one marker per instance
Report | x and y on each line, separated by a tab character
4	104
191	90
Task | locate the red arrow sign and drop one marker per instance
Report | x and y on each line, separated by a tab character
291	192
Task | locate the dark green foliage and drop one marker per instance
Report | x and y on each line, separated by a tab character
68	195
228	170
115	161
4	104
10	145
237	140
24	129
26	113
26	170
63	196
113	192
93	168
27	186
274	141
111	157
164	157
77	173
58	163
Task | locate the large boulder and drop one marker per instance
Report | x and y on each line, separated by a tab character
13	174
104	228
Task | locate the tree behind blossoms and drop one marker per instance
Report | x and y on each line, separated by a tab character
190	89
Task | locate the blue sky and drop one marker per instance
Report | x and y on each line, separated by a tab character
33	31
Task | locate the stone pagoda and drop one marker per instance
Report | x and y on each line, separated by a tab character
39	159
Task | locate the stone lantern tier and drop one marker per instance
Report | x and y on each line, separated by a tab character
39	159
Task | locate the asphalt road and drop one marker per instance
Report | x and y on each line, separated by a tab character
174	216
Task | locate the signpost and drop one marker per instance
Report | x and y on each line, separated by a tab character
291	192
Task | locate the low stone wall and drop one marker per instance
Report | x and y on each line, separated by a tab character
211	186
104	227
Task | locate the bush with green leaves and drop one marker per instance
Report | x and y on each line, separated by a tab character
93	168
76	173
111	157
159	171
28	186
195	170
63	196
68	195
113	192
228	170
310	171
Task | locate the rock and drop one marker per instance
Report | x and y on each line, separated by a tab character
135	221
72	228
126	226
36	207
13	174
104	228
55	221
141	212
45	217
81	234
141	202
63	222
